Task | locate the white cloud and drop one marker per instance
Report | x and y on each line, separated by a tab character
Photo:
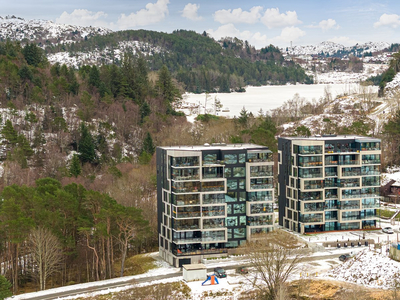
83	17
153	13
272	18
257	39
190	12
392	20
237	15
326	25
290	34
344	40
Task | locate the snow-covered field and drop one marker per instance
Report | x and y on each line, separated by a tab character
264	97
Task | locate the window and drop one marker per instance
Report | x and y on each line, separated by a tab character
230	159
242	158
232	184
210	159
228	172
239	172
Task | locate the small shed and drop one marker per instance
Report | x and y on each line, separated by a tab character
194	272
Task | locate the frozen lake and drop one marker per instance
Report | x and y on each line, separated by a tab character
267	97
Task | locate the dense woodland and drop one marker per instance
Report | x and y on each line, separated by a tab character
199	62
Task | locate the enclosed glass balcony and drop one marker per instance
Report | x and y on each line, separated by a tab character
185	161
213	211
351	182
331	172
213	186
349	159
313	184
331	194
331	182
261	183
213	223
371	181
310	195
186	187
370	192
260	220
349	205
312	218
307	150
370	170
187	212
311	173
261	208
370	203
371	159
331	216
185	174
261	171
186	224
331	204
370	146
331	160
260	196
314	206
213	172
310	161
186	199
349	172
213	198
259	156
348	194
351	215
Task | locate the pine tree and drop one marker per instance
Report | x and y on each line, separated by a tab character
75	167
5	287
86	146
166	88
148	145
144	111
9	133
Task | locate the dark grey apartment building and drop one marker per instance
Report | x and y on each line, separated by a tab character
328	183
211	199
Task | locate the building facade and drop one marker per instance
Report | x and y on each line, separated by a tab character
211	199
328	183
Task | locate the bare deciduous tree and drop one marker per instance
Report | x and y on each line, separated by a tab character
273	257
46	252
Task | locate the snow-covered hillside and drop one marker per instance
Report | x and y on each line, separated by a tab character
332	48
45	32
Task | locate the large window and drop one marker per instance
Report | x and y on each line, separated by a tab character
310	173
371	181
186	224
349	205
213	223
348	159
314	206
310	149
187	212
310	195
230	159
312	218
348	194
260	196
210	159
330	171
313	184
261	183
354	171
186	199
259	220
331	204
261	171
259	156
261	208
331	194
185	161
212	211
239	209
185	174
331	215
350	215
213	198
370	203
212	186
370	170
186	187
310	161
351	182
212	172
370	146
371	159
239	172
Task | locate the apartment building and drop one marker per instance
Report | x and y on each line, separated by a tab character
328	183
211	199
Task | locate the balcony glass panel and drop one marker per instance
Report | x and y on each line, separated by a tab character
310	195
349	159
213	198
185	187
348	205
349	226
232	184
370	159
310	161
231	197
310	150
351	182
213	211
370	203
331	215
311	218
260	220
187	224
185	174
242	158
209	236
213	172
260	196
213	223
313	184
261	208
228	172
187	212
186	199
261	171
230	159
242	196
261	183
232	221
331	204
210	159
213	186
370	146
239	172
198	249
311	173
371	181
348	172
346	147
319	206
370	192
260	230
331	160
331	182
185	161
239	233
261	156
331	194
331	172
348	194
370	170
351	215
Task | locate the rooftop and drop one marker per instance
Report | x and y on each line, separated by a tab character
330	137
216	146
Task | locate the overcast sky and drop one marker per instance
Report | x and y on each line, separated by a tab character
260	22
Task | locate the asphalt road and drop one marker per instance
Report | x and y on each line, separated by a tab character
78	291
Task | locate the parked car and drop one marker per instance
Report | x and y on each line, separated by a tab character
219	272
242	270
345	257
387	230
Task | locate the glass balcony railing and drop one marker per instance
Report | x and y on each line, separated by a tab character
309	207
259	221
311	218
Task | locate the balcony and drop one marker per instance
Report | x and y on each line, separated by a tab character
312	218
371	162
349	162
259	221
184	178
179	252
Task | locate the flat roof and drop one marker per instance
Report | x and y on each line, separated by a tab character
330	137
195	267
216	146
